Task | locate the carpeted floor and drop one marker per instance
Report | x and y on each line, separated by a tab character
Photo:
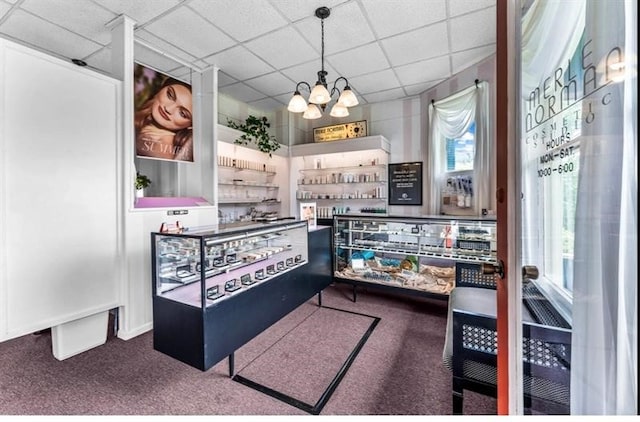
398	371
305	366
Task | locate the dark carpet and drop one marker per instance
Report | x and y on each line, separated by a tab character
398	371
304	367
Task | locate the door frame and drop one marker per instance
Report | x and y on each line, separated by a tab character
509	298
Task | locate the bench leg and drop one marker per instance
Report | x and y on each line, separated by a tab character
457	397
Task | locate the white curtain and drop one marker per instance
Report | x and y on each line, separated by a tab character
604	311
451	117
604	370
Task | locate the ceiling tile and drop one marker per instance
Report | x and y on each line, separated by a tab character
242	20
188	31
365	59
224	79
282	48
242	92
4	8
239	62
461	7
374	82
283	40
272	84
422	87
420	44
473	30
285	98
171	50
308	72
47	36
86	19
295	10
461	61
140	11
344	29
390	18
426	70
388	95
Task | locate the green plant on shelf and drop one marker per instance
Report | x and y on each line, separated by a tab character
256	131
142	181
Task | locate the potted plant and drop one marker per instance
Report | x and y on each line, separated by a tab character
141	183
255	129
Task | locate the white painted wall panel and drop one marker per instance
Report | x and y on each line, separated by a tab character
59	191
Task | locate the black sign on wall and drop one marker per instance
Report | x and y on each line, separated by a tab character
405	183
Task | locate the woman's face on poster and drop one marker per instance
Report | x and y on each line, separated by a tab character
172	107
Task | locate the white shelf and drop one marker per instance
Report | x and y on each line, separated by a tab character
341	169
346	145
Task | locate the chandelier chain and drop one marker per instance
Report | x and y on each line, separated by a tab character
322	42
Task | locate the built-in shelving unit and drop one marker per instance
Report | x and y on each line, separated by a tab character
251	185
343	177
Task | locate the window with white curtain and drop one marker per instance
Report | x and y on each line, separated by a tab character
460	153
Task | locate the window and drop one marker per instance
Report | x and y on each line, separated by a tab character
461	151
457	189
558	171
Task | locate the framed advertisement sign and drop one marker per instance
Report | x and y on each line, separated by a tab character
405	183
342	131
163	116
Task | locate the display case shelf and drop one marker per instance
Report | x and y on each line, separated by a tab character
409	254
248	201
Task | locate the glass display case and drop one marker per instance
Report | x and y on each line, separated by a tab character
215	289
202	268
413	254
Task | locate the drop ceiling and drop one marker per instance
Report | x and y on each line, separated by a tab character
387	49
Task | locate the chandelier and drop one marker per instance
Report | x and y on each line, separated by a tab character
320	96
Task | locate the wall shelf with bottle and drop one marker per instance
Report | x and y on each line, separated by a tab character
250	185
343	177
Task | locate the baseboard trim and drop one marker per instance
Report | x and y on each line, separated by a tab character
128	335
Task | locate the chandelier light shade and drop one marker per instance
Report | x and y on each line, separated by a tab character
320	95
312	112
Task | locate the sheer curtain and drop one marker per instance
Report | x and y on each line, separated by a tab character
451	117
604	363
604	370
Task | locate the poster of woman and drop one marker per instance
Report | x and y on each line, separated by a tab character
163	116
